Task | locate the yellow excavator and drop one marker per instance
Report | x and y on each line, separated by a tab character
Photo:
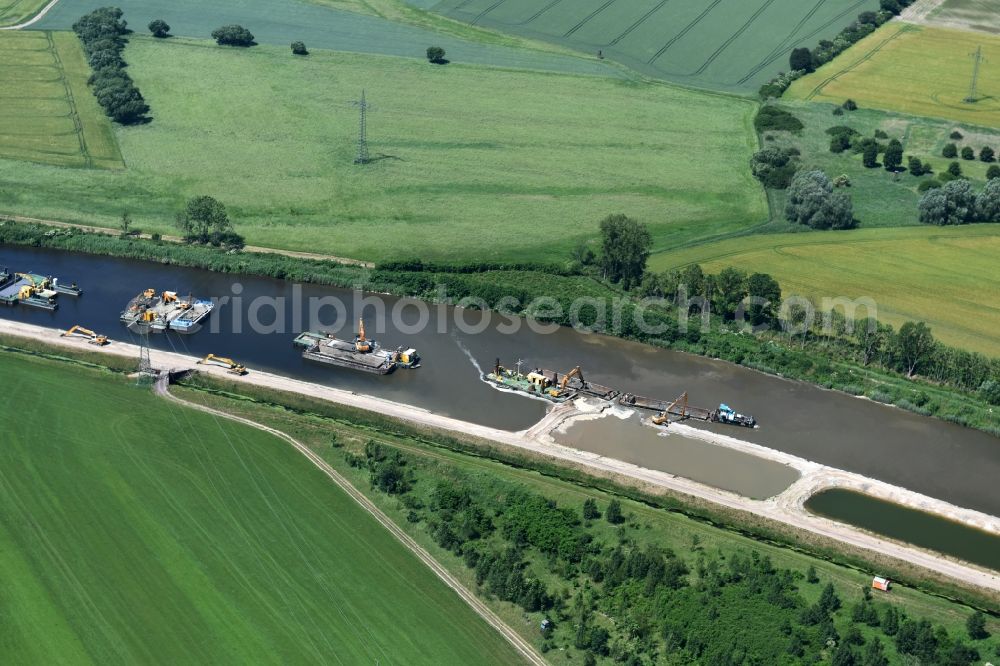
229	364
361	343
564	382
663	418
89	335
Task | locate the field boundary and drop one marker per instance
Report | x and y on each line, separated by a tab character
904	29
74	113
34	19
481	609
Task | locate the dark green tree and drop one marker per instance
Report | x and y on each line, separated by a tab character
801	59
233	35
968	153
765	297
915	166
828	599
874	654
976	626
869	155
993	172
159	28
811	576
955	169
950	151
731	286
435	54
987	154
850	105
590	510
988	202
125	223
843	655
202	217
871	337
812	201
955	203
625	246
299	48
613	514
893	157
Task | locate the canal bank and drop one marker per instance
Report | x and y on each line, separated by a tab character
934	458
787	508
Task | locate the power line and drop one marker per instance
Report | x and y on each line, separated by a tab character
363	106
977	61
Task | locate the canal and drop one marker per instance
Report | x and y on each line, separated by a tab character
908	525
938	459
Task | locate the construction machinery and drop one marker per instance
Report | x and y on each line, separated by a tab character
575	372
229	364
678	408
361	343
727	414
87	334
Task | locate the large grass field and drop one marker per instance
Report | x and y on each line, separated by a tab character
722	44
946	277
47	113
326	24
473	162
15	11
915	70
135	531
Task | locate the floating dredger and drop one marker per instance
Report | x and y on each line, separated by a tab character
361	354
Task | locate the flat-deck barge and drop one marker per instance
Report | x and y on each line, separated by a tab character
361	354
166	311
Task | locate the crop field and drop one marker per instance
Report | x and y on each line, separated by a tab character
970	14
15	11
326	25
459	173
722	44
173	537
947	277
47	114
920	71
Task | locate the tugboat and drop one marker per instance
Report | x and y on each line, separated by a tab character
361	354
726	414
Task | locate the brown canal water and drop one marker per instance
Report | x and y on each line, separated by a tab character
630	440
932	457
908	525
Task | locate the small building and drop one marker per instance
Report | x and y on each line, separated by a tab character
879	583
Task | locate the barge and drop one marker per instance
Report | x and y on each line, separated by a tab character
548	384
360	354
27	289
166	311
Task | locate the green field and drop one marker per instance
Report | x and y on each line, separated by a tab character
15	11
880	199
731	45
914	70
47	113
473	162
135	531
946	277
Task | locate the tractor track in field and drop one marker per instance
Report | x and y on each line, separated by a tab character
777	52
539	12
868	56
520	644
732	38
686	30
486	11
589	17
635	25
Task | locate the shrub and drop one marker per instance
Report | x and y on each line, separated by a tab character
915	166
893	158
993	172
159	28
801	58
299	48
968	153
956	136
950	151
773	167
837	111
955	169
435	54
880	134
233	35
776	119
987	154
928	184
850	105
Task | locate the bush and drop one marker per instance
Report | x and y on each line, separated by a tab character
773	167
880	134
990	391
801	58
299	48
837	111
159	28
850	105
928	184
968	153
950	151
987	154
233	35
956	136
776	119
993	172
915	166
435	54
955	169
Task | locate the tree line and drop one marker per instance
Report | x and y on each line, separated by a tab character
102	33
593	588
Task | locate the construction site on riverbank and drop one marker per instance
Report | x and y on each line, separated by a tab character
786	508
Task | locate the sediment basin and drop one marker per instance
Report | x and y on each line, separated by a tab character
908	525
938	459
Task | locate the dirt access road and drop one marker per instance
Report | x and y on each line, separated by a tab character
786	508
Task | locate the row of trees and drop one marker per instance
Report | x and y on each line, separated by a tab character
804	60
596	589
986	154
102	33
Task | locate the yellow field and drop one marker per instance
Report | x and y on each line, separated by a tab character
916	70
47	112
948	277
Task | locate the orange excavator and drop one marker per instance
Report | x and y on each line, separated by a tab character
663	418
87	334
564	382
229	364
361	343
